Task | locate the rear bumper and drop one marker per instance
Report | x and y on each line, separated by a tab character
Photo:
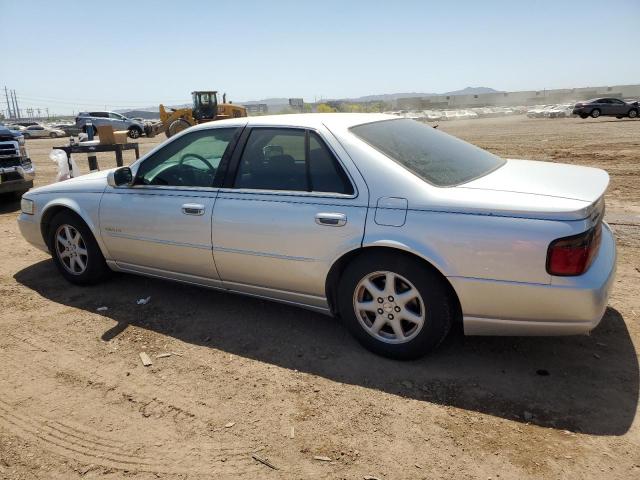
567	306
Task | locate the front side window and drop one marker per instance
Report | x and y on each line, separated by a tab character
432	155
189	161
115	116
290	160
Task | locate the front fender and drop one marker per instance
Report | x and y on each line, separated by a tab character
85	205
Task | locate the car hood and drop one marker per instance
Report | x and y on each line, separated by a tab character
91	182
545	178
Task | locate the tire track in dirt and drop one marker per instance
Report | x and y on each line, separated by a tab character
89	446
79	445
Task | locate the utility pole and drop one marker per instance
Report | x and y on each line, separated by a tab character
6	94
16	108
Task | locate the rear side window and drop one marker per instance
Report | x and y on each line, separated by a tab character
434	156
290	160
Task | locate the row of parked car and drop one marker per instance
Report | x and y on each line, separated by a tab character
84	121
590	108
459	114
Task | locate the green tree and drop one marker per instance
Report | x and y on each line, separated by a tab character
324	108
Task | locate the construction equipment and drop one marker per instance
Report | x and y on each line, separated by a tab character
205	109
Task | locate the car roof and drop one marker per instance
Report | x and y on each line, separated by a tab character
305	120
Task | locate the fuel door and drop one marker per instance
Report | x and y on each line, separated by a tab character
391	211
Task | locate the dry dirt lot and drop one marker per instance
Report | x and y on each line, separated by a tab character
251	377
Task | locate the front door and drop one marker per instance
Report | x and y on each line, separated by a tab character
162	224
291	209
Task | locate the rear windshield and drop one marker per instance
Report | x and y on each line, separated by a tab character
434	156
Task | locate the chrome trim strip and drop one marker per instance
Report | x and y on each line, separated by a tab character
201	246
262	254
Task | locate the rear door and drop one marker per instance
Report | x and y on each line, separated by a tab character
618	107
290	207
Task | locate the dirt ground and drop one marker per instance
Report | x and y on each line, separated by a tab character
249	377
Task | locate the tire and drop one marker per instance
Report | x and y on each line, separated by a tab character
595	113
66	225
177	126
583	116
26	135
633	113
53	135
429	301
619	117
134	132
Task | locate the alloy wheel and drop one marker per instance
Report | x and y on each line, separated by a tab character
389	307
71	249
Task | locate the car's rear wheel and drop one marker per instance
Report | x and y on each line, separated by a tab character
394	306
53	134
134	132
595	113
26	135
75	250
633	113
584	115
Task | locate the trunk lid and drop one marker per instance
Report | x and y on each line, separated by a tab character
545	178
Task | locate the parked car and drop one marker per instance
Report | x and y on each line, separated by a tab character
16	170
69	129
41	131
394	226
612	107
117	121
559	111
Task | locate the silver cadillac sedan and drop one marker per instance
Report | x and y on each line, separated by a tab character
395	227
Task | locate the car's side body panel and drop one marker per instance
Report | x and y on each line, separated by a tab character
488	238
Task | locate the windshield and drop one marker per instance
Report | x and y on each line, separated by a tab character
434	156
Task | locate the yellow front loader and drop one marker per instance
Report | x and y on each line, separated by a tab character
205	109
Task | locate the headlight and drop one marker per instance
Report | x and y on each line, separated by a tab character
27	206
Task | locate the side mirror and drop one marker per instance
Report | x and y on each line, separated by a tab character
120	177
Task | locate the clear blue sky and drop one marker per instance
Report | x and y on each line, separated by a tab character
80	55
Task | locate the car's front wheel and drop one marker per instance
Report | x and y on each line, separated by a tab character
53	134
75	250
394	305
595	113
633	113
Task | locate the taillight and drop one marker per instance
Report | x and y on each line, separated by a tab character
573	255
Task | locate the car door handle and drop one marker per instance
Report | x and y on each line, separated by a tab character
193	209
331	219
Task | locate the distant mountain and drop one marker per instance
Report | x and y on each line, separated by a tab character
389	97
268	101
472	91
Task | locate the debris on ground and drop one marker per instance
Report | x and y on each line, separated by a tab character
263	461
293	433
143	301
164	355
370	477
229	425
146	360
322	458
